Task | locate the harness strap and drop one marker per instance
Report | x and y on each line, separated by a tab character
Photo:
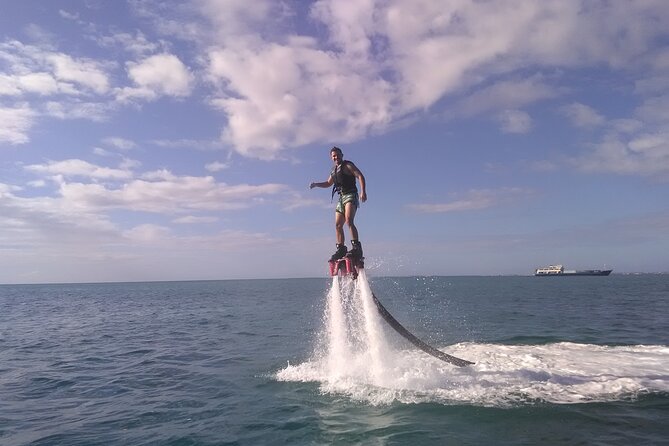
335	187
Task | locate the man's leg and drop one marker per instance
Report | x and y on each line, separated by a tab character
339	232
356	247
350	209
339	227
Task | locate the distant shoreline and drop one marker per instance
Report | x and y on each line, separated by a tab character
300	278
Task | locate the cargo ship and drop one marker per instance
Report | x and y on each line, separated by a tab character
558	270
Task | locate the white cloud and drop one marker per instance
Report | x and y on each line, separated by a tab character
514	121
189	144
351	24
74	222
189	219
216	166
162	174
155	76
15	123
129	164
639	154
382	61
633	146
626	126
7	189
42	83
164	192
297	201
68	84
234	240
87	73
72	109
655	109
119	143
36	70
79	168
136	44
177	19
36	183
313	96
652	144
38	220
164	73
582	115
147	233
476	199
506	94
236	18
39	34
652	85
68	15
102	152
9	86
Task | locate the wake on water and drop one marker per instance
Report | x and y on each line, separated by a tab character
356	357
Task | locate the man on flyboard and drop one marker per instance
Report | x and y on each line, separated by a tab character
343	179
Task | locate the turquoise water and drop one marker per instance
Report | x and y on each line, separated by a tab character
579	360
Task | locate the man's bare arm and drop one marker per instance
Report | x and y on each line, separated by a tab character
361	178
328	183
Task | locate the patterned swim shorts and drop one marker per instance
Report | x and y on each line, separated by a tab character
346	198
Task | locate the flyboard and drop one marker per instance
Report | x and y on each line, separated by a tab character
349	266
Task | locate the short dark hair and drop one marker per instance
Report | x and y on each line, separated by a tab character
336	149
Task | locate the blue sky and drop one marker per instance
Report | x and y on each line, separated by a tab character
152	140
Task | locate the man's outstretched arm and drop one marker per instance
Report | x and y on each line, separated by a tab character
327	183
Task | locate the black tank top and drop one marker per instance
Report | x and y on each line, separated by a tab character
344	182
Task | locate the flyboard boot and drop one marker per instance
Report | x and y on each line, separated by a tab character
356	250
339	253
348	264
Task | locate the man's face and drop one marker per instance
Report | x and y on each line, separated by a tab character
336	156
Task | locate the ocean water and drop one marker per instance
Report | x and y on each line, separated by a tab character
573	361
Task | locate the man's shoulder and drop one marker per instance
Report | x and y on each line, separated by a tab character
344	164
350	166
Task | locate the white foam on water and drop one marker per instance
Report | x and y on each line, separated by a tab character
373	338
338	343
357	359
